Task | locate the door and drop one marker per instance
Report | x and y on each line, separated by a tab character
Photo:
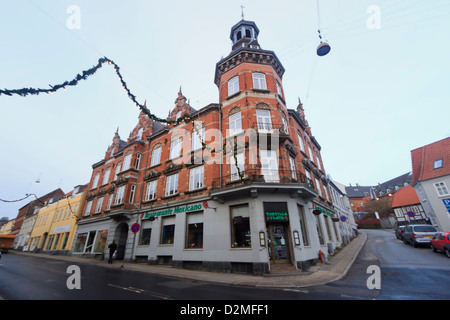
278	243
264	121
121	240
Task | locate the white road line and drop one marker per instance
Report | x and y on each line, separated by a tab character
137	290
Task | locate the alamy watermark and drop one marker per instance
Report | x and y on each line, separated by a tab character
74	20
374	280
373	22
74	280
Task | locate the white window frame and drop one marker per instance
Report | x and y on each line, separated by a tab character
98	206
175	148
441	189
259	81
264	120
137	163
279	88
293	170
233	85
240	163
196	140
235	123
119	195
118	169
150	193
96	178
132	193
269	165
171	184
196	178
156	156
300	141
106	176
126	162
439	163
87	211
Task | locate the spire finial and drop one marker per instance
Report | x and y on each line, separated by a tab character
242	12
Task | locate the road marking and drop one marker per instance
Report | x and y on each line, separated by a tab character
137	290
297	290
128	289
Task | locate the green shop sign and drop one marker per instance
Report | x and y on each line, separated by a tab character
276	211
175	210
323	210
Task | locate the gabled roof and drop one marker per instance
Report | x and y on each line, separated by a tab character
405	196
423	160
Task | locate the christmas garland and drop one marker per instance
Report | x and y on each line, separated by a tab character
90	72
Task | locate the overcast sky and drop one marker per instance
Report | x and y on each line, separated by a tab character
382	91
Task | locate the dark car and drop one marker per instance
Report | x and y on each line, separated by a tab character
419	234
441	242
399	232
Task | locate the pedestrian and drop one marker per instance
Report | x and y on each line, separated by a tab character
112	248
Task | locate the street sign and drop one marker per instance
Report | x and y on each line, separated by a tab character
343	218
410	214
135	227
447	204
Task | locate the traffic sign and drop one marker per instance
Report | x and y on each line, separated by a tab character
343	218
135	227
410	214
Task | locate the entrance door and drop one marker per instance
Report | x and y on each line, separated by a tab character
121	240
278	244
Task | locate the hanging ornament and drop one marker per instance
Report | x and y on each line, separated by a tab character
324	48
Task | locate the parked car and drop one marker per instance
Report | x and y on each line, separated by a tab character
441	242
419	234
399	232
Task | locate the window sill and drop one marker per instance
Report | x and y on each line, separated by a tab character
233	95
195	190
170	196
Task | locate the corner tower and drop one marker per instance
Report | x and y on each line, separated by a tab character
250	79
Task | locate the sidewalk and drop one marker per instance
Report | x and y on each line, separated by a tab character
336	268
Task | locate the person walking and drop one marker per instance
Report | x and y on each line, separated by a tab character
112	248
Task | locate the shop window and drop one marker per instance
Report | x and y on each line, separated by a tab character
194	239
320	231
80	242
240	227
168	230
303	226
100	243
144	239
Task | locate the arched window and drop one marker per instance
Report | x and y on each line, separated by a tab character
248	33
238	35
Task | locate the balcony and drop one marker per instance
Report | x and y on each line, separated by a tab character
254	181
275	129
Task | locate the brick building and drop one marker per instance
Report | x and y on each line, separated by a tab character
236	186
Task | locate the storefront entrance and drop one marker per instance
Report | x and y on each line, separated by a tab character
278	245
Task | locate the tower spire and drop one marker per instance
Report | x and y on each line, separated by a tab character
242	12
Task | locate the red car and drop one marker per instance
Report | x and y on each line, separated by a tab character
441	242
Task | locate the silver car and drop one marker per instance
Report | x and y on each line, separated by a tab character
417	234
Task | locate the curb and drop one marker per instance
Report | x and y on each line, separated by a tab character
336	269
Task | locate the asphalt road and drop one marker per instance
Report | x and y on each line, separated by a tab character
406	273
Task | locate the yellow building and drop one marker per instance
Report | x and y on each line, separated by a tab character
7	227
56	223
